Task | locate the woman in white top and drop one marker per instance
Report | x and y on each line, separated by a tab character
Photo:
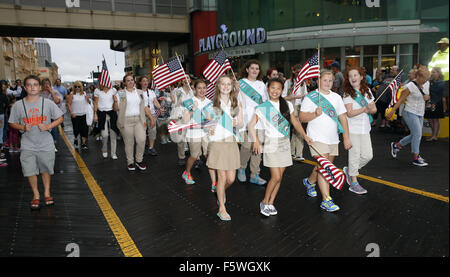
275	115
77	103
105	113
199	111
179	95
151	102
415	93
359	104
132	122
252	76
223	150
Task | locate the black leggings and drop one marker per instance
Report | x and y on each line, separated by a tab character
80	126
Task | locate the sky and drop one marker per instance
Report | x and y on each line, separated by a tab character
76	58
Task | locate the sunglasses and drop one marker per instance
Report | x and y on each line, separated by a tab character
77	86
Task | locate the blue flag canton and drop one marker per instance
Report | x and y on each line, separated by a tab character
314	60
104	65
173	65
221	57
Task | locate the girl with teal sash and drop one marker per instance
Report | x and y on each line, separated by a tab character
223	149
276	116
360	106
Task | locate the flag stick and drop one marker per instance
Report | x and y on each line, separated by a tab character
389	85
190	89
318	61
316	150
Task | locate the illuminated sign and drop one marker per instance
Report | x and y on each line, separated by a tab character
232	39
373	3
73	3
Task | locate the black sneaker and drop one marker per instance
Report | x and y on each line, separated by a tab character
152	152
84	147
141	166
131	167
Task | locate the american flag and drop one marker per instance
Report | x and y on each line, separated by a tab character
168	73
105	80
310	69
394	86
210	90
218	66
330	172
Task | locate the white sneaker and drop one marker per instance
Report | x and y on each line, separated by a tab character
272	210
114	157
105	155
56	150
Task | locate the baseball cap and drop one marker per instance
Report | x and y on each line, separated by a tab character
443	40
335	64
3	82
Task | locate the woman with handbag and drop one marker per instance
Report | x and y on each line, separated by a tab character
78	103
434	108
416	94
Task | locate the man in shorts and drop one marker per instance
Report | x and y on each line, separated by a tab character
35	116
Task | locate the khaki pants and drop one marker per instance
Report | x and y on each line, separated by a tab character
247	152
108	132
197	146
297	142
151	131
360	154
134	130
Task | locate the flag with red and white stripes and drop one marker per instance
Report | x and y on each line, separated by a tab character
168	73
210	90
394	86
330	172
105	80
310	69
218	66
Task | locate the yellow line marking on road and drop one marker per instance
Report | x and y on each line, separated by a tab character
397	186
126	243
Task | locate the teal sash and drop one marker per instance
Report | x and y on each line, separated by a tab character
226	122
326	106
275	118
250	92
362	102
188	104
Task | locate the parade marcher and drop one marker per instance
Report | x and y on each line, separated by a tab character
105	114
252	93
35	116
360	106
179	95
223	149
271	74
61	89
197	110
78	103
132	123
296	98
435	108
277	152
415	93
51	94
325	113
338	77
151	102
165	101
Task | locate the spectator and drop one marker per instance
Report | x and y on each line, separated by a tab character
440	59
61	89
338	78
4	102
435	110
368	77
35	116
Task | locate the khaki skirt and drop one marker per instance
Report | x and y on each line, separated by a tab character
223	155
277	152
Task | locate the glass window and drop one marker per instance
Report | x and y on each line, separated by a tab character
370	50
353	51
406	49
388	50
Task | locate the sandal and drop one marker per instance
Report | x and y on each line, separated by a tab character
35	204
49	201
225	217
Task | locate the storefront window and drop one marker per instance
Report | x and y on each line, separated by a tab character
388	49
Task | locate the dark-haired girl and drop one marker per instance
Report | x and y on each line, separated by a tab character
275	116
359	104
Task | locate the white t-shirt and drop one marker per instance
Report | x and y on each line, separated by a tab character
133	102
197	132
249	105
414	102
79	104
105	99
269	129
323	128
359	124
302	91
220	133
149	97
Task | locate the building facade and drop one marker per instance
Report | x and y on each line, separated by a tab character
371	33
18	58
